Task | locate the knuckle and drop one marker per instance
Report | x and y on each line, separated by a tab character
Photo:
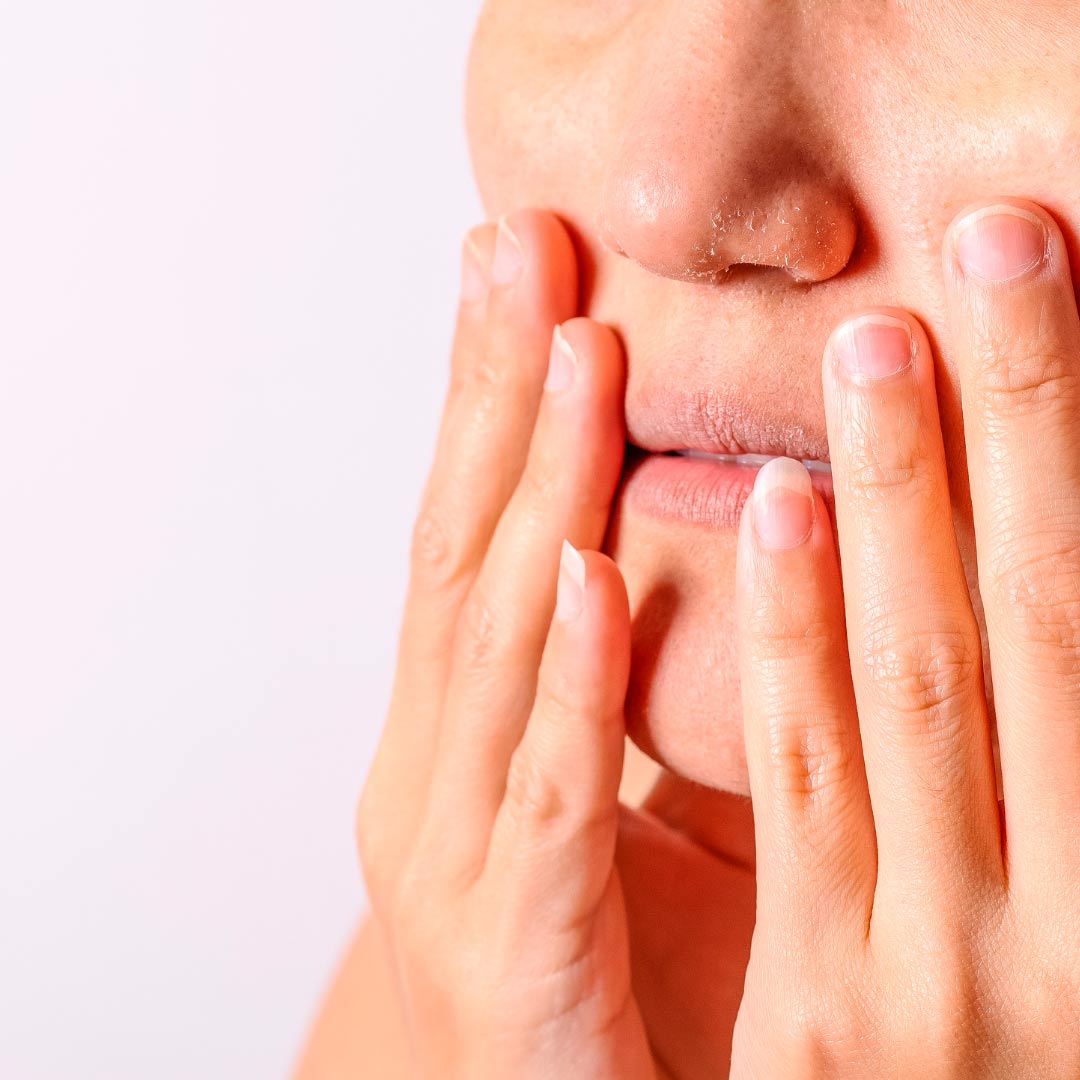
1021	375
814	1035
811	1031
946	1019
1040	595
809	758
879	471
925	674
541	483
788	620
533	798
486	380
477	641
490	386
481	391
558	701
435	551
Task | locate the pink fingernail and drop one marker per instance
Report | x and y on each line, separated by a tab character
999	243
570	594
873	346
474	284
562	364
509	258
783	503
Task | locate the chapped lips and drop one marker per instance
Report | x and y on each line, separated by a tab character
724	421
693	456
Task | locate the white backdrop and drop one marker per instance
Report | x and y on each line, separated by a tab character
229	236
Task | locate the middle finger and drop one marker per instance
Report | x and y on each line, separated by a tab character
912	635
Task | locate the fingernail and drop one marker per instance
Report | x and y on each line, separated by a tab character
473	275
562	364
509	257
783	503
570	595
999	243
873	347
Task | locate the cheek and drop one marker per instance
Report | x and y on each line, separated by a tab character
488	72
683	707
537	106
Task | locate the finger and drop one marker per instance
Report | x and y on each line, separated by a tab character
564	491
1014	322
913	639
550	872
500	358
553	843
813	825
518	282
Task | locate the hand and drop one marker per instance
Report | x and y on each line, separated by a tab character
907	926
487	828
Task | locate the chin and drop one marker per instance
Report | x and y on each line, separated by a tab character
683	706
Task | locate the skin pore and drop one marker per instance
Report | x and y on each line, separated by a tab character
683	134
737	178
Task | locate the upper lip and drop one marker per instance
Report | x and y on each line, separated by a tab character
720	420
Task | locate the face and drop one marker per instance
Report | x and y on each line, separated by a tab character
739	176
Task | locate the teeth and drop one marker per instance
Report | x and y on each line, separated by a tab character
754	459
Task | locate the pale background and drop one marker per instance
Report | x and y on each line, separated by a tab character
229	235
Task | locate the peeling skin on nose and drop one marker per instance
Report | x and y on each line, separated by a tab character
684	230
810	244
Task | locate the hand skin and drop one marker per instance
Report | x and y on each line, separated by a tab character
905	922
501	499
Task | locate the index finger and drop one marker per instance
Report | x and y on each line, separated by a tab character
1014	322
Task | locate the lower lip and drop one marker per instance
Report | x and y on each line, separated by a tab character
694	489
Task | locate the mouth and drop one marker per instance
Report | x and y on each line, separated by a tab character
751	460
692	457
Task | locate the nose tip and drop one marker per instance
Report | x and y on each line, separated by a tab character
674	226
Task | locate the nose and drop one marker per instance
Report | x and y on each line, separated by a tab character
719	161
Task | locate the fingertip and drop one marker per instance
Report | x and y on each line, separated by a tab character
570	594
547	254
607	592
602	347
477	253
592	619
597	337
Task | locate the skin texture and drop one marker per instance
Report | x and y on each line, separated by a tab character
745	202
642	124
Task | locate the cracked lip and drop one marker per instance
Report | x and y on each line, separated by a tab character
668	473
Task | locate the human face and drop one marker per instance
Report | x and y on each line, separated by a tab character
739	176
